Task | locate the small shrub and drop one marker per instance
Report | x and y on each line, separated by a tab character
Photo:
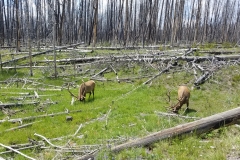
210	45
164	47
196	53
227	45
236	78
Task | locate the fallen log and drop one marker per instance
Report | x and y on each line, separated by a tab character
39	116
115	73
40	53
103	70
24	155
163	71
27	66
203	78
199	126
28	147
54	146
31	96
142	58
18	104
217	52
44	89
174	115
23	93
77	50
21	126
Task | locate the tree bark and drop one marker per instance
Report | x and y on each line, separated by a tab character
62	19
95	23
126	24
17	27
1	24
198	19
29	38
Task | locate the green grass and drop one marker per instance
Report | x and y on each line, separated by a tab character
131	113
209	45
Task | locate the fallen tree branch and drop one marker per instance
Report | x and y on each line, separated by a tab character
17	104
100	72
163	71
203	78
115	73
27	66
107	117
39	53
142	58
22	126
24	155
198	127
77	130
40	116
27	147
174	115
90	156
44	89
54	146
20	93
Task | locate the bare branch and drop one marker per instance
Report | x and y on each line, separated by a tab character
55	146
24	155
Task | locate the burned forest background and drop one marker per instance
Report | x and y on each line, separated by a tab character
118	22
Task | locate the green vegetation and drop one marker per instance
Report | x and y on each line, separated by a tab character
209	45
227	45
130	108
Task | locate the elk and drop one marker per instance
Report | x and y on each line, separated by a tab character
183	98
85	87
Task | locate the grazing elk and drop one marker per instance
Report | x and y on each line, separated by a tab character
183	98
85	87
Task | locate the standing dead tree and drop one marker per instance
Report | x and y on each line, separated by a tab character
95	22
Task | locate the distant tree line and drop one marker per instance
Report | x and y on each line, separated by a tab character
118	22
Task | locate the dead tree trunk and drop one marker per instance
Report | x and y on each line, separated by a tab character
198	127
203	78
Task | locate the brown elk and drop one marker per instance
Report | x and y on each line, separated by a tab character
183	98
85	87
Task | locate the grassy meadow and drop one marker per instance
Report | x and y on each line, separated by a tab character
120	111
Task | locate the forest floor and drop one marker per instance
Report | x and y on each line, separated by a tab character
41	120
